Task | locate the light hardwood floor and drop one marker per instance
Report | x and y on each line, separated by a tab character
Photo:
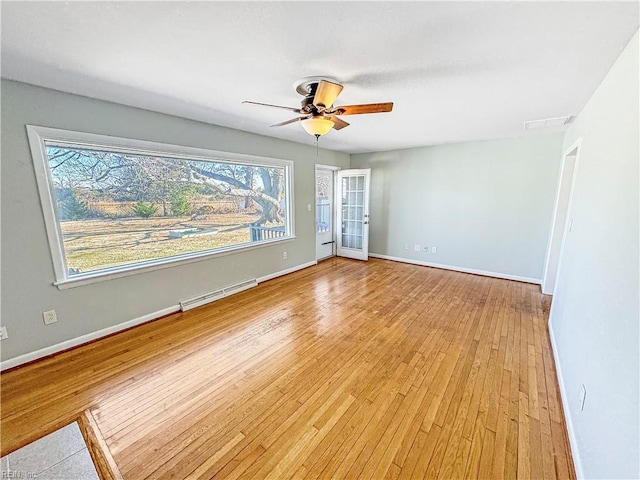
343	370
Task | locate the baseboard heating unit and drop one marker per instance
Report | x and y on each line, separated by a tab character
216	295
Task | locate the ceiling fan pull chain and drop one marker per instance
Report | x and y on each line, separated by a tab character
317	139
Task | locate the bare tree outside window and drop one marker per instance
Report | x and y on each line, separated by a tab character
116	208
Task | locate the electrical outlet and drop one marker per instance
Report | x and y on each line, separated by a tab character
417	248
49	317
308	207
406	246
3	333
583	397
434	249
284	255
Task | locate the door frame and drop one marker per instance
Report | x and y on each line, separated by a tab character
334	214
556	243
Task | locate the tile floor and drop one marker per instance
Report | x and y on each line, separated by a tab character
61	455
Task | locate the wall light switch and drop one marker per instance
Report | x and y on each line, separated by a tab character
434	249
3	333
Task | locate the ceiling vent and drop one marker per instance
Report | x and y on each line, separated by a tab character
548	122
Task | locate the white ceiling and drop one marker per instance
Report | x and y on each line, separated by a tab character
457	71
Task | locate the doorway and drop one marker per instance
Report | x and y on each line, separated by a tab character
561	224
325	211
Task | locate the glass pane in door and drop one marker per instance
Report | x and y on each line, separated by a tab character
352	211
323	201
325	213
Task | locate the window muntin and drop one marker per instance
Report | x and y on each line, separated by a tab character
119	208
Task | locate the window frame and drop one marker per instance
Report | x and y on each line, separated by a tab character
37	137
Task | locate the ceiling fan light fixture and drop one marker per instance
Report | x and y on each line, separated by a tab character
317	125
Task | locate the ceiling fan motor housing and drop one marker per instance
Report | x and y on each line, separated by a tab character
308	88
307	103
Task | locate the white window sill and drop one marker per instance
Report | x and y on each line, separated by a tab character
150	266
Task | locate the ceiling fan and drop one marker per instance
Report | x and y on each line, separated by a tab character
319	115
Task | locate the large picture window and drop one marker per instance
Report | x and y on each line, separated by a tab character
115	205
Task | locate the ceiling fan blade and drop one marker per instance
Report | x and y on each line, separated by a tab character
326	94
291	109
338	123
365	108
293	120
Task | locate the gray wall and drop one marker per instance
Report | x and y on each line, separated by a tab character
27	270
595	312
484	205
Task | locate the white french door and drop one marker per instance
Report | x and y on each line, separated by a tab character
353	213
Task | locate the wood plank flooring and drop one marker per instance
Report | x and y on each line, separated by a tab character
343	370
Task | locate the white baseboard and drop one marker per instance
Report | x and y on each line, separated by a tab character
74	342
573	444
505	276
287	271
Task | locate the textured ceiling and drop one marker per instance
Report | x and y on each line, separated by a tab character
456	71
